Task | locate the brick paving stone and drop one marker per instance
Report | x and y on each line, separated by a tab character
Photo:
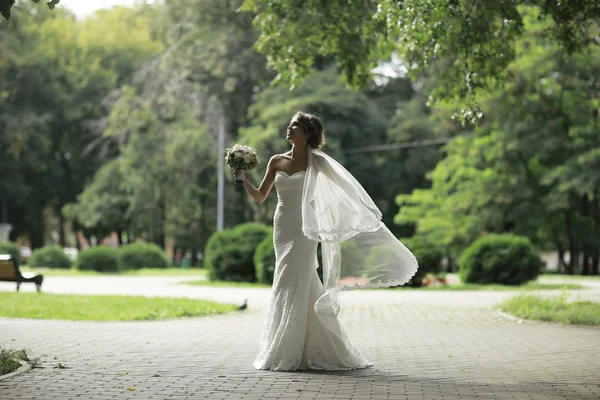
424	345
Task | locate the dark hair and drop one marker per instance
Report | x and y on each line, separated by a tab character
314	128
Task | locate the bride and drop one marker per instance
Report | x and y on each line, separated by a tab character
320	201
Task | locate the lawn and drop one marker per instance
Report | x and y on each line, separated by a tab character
571	277
528	286
553	309
139	272
104	308
206	282
456	287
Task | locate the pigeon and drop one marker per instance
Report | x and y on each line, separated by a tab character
243	306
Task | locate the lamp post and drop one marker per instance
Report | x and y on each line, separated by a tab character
220	169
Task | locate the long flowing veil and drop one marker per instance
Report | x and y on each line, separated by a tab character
358	250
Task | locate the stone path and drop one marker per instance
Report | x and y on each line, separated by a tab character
425	345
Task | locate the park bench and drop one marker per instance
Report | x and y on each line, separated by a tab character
9	272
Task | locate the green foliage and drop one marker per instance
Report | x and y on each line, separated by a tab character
264	261
9	360
477	42
12	249
98	258
229	254
142	255
504	259
429	256
234	262
49	257
55	75
103	204
532	167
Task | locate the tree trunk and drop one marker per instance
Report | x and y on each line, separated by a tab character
61	229
561	261
586	262
573	252
596	237
194	257
36	229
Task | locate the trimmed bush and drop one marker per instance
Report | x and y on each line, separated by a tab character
500	258
12	249
229	254
98	258
428	255
49	257
264	261
142	255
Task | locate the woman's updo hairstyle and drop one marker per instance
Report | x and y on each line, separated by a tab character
314	128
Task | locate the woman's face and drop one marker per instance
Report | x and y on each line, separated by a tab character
295	133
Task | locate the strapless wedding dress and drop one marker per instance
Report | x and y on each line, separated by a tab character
295	337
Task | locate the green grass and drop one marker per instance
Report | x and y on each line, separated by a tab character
139	272
226	284
104	308
458	287
553	309
9	360
494	287
571	277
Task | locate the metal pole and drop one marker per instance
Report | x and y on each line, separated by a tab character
221	172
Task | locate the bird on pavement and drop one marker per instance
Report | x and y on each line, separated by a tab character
243	306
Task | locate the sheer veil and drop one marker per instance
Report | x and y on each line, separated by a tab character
358	250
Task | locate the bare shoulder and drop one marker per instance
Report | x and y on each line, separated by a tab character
278	158
275	162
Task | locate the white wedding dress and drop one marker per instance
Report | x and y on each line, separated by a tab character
295	337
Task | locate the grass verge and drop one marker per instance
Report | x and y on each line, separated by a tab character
139	272
457	287
553	309
9	360
495	287
564	277
104	308
226	284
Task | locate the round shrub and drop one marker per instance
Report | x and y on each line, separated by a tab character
98	258
12	249
228	247
49	257
217	241
500	258
232	263
428	255
142	255
264	261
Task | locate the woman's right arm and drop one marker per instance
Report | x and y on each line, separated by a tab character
262	192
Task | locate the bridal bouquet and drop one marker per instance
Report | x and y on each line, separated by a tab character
240	158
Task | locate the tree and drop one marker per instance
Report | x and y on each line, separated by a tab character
532	168
6	6
55	73
476	38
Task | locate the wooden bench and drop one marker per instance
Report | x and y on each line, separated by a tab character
9	272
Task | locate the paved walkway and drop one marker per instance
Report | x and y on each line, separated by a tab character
425	345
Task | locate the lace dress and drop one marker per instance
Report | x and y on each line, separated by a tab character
294	336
